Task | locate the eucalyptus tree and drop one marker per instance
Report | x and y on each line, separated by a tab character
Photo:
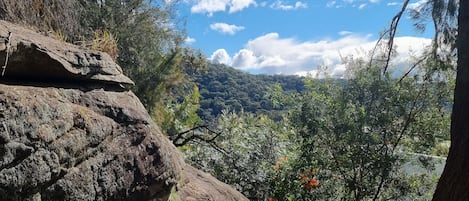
451	22
454	181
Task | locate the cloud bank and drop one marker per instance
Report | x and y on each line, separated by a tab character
271	54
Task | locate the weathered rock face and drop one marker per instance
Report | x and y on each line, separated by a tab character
37	57
69	130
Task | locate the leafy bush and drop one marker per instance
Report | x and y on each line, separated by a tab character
245	152
361	134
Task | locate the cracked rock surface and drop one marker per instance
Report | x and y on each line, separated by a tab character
80	134
67	144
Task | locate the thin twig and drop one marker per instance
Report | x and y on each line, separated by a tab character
373	52
415	65
391	33
7	44
186	139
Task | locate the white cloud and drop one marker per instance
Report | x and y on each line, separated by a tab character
393	3
238	5
226	28
362	6
220	56
344	33
212	6
272	54
279	5
209	6
244	59
359	4
417	5
189	40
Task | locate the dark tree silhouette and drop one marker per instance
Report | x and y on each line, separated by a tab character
454	182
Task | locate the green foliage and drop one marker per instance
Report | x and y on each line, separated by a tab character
150	53
223	88
245	153
148	46
370	136
443	16
356	133
179	115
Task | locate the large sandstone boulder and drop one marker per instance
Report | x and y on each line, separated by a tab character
37	57
70	130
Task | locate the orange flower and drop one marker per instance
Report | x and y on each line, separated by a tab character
314	182
309	180
277	166
283	158
271	199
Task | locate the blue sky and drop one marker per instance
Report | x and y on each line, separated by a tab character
295	37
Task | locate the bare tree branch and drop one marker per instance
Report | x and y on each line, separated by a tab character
194	136
415	65
390	35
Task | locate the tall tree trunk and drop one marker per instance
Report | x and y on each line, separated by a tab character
454	182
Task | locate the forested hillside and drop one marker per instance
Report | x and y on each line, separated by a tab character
225	88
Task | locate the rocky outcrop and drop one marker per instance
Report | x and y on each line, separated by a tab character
70	130
33	56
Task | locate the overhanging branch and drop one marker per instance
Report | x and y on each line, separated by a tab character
185	137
